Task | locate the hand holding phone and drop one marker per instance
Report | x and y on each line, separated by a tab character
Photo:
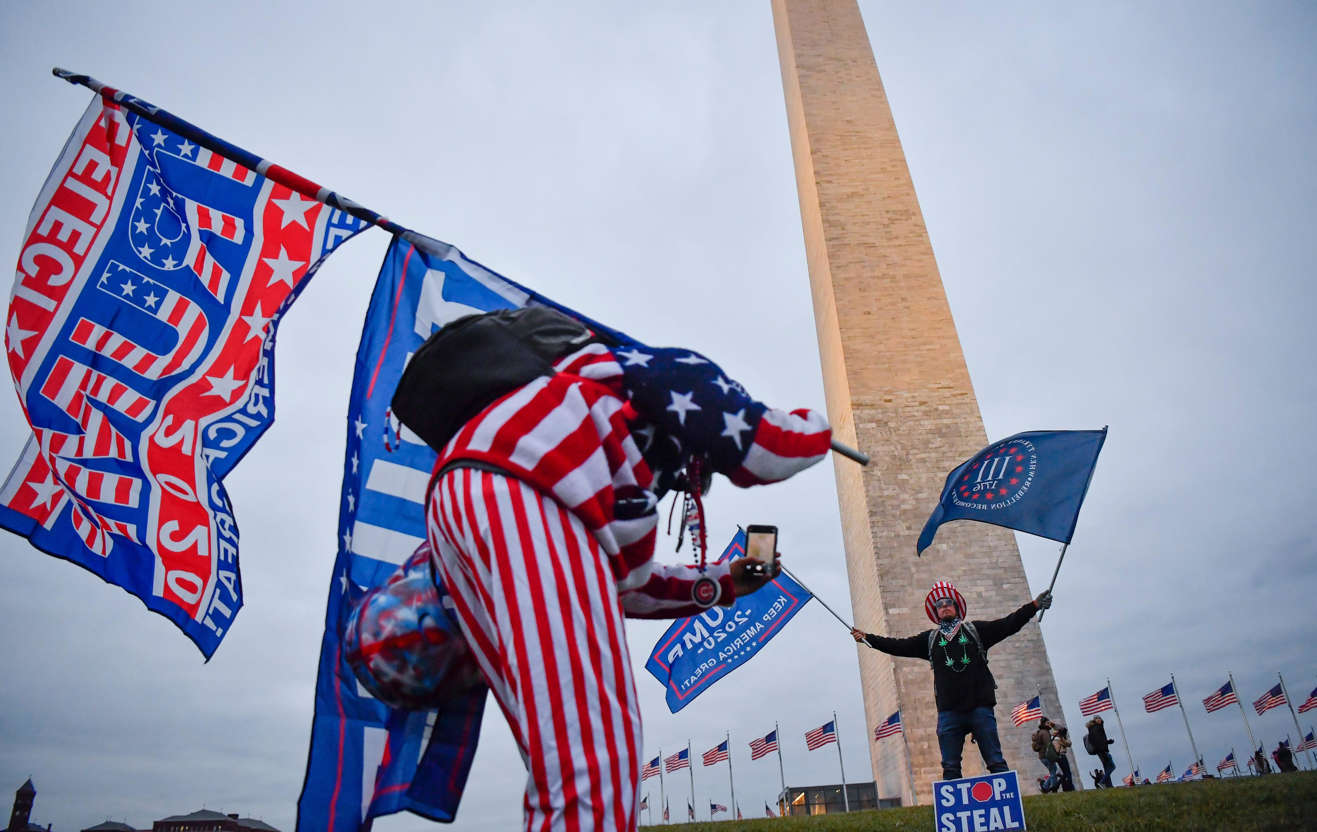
761	545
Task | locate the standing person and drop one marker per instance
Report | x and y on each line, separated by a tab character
963	686
1284	757
1097	743
555	444
1042	744
1260	764
1061	742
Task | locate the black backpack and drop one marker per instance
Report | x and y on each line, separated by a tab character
469	363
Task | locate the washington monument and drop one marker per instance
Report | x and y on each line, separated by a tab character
898	388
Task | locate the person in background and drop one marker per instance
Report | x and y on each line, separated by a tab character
1042	745
1061	742
1098	744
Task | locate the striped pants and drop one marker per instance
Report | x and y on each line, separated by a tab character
537	602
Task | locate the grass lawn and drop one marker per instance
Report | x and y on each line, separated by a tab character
1243	804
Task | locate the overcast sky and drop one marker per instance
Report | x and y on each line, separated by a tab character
1121	198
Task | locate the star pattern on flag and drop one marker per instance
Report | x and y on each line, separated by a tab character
15	335
282	268
46	491
683	403
256	322
224	386
294	209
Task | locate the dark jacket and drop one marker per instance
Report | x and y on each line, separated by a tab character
972	686
1097	737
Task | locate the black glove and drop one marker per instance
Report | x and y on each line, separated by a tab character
1044	600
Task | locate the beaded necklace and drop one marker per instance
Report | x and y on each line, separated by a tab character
947	637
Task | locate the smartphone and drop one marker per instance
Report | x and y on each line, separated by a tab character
761	545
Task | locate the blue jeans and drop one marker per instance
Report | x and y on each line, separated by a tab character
952	726
1052	777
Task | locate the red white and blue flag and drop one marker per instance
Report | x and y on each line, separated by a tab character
1166	774
716	754
678	761
1309	742
140	335
890	727
1228	761
768	812
1098	702
690	811
821	736
1162	697
1191	772
651	769
715	808
765	745
1273	698
1310	702
644	803
1225	695
1027	711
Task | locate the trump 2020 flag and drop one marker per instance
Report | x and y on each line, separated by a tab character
140	336
697	651
1032	482
366	759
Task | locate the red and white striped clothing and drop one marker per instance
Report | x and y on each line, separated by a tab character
544	559
538	604
570	436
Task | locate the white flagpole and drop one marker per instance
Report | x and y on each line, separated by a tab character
1121	723
1234	687
1055	572
909	763
1180	700
816	597
730	780
782	796
1293	715
690	767
846	800
663	795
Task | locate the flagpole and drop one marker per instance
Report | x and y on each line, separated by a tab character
663	794
690	767
909	764
1293	715
1121	723
1252	744
846	800
1055	572
781	772
1180	701
817	598
730	780
271	171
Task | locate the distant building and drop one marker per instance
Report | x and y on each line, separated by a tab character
828	800
204	820
19	818
110	826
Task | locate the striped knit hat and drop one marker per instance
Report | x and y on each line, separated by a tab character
943	589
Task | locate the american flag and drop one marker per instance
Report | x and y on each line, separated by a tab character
1273	698
651	769
666	813
1098	702
678	761
644	803
738	811
1026	711
1310	703
1166	774
769	813
764	745
716	754
821	736
1228	761
892	725
1222	697
1130	778
1163	697
715	808
1191	772
690	811
1309	742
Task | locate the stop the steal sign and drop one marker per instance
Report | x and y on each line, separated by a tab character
978	804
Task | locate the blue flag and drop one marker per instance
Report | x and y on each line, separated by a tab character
697	651
140	335
1032	482
367	759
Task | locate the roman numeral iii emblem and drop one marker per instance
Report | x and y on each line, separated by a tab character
993	469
